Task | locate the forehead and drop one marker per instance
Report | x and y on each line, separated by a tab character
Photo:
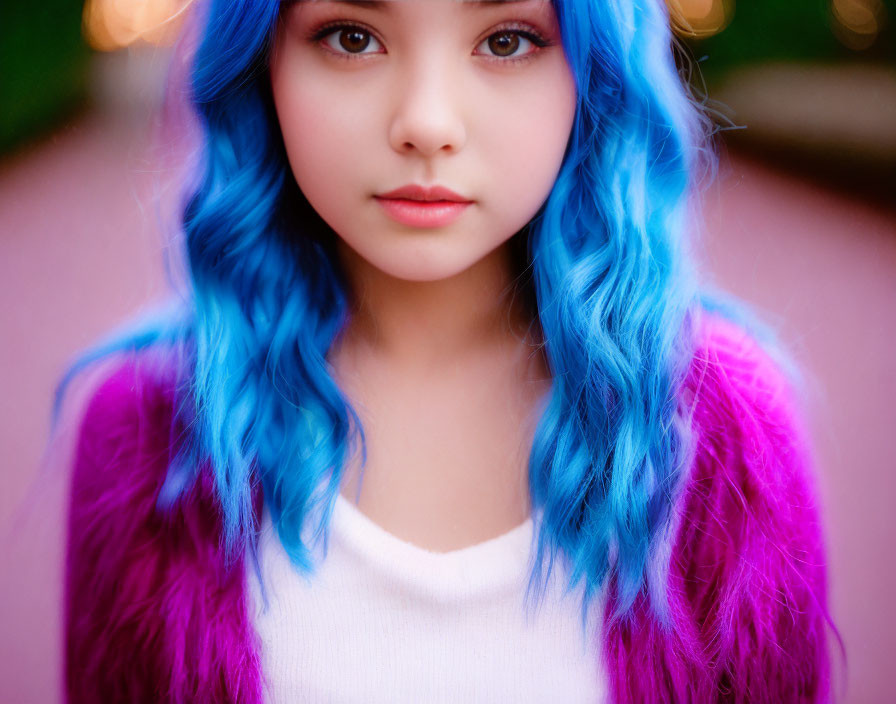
396	8
411	13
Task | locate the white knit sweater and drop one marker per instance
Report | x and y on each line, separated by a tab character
387	621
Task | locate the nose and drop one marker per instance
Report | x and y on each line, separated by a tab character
427	118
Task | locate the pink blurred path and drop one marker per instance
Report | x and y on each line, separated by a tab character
79	251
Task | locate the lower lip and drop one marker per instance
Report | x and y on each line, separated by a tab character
419	213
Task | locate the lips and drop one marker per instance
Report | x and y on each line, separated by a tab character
422	206
425	193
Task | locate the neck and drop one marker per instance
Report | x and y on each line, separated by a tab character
419	324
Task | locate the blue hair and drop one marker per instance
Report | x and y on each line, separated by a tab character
606	265
615	295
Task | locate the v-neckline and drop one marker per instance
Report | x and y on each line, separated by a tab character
494	563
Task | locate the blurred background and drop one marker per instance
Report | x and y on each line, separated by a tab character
801	222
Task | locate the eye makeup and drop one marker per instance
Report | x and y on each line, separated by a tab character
518	33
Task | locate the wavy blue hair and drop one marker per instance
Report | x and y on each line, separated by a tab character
605	266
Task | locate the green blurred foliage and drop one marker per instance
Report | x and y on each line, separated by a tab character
788	30
44	67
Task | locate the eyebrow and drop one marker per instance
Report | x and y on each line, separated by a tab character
379	4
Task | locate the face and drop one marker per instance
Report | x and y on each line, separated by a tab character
424	132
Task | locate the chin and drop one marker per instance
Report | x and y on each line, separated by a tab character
431	257
418	267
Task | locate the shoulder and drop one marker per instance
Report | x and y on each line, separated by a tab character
126	433
745	618
111	561
749	556
135	392
136	576
752	469
748	424
731	370
746	416
124	447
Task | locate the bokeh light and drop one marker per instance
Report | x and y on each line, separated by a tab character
857	23
700	18
113	24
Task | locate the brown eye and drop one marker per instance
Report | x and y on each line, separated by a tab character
347	40
504	43
354	40
511	44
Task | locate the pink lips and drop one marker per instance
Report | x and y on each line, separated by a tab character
420	206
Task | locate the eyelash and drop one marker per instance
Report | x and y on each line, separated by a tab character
524	31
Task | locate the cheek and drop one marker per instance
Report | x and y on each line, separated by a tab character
321	143
304	129
526	149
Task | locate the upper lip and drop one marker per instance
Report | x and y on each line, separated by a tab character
425	193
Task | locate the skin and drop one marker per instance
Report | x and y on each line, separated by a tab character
436	358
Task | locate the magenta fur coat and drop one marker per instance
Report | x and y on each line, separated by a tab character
152	615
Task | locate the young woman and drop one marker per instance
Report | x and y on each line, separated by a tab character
441	247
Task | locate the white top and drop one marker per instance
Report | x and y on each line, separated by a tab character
384	620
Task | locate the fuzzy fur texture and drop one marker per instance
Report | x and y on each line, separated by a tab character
747	582
153	614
